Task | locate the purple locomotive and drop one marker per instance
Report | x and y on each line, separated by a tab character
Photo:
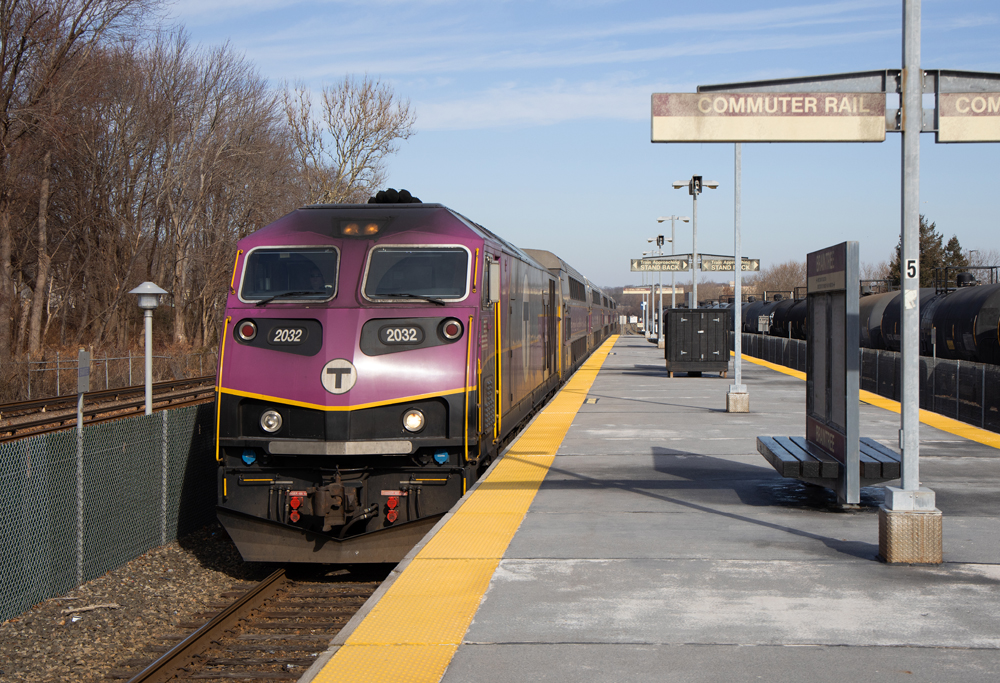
374	360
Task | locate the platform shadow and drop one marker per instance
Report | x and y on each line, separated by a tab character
755	487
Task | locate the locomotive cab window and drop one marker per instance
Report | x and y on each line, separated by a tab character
290	274
434	274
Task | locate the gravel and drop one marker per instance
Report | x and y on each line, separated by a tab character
137	604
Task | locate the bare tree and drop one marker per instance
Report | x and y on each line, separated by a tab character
983	257
41	43
363	121
780	277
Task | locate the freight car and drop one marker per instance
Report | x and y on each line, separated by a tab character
375	359
960	324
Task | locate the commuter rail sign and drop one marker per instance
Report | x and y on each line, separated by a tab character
768	117
969	117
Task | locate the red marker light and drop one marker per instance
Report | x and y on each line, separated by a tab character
295	503
247	330
294	516
392	502
391	516
451	329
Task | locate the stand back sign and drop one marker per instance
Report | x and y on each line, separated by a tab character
833	361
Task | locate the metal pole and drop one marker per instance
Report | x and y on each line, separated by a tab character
673	251
694	250
738	279
659	284
912	122
148	319
79	488
163	476
82	386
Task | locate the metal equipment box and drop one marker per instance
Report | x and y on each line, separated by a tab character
697	340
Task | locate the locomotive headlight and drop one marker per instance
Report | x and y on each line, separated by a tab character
413	420
270	421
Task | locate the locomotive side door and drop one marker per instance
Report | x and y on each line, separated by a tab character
489	355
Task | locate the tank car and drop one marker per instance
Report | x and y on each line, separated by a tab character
967	324
375	358
961	324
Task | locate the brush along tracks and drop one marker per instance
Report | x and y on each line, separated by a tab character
272	632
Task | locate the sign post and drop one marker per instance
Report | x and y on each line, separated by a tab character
832	362
82	387
738	398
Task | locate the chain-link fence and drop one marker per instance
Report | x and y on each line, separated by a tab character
75	508
966	391
55	375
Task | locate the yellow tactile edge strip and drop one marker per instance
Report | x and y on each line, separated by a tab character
945	424
413	631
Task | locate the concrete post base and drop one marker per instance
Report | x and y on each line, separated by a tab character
660	344
737	402
910	536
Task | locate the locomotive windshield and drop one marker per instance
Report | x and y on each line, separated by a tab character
290	274
430	273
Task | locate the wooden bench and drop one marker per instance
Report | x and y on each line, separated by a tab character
793	456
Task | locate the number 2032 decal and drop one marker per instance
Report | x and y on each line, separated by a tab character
394	334
281	336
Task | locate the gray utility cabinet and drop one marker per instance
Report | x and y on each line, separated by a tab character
697	340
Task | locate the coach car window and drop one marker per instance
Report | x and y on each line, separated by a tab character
290	274
431	273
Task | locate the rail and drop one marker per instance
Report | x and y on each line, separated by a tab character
274	631
40	416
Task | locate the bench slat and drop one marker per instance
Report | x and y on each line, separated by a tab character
829	466
810	466
781	460
891	461
871	468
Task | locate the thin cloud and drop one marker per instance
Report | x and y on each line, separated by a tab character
513	105
437	63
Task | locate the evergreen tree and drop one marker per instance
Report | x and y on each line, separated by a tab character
932	254
953	255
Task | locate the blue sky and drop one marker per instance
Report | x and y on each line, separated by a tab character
533	118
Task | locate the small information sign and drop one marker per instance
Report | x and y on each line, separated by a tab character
726	264
826	270
83	372
659	265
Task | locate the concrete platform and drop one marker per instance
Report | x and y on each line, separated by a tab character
661	546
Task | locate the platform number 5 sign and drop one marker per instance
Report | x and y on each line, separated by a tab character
911	268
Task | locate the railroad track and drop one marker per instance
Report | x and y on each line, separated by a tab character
41	416
274	631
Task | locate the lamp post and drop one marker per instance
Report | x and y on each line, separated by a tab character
149	299
673	251
659	284
652	292
694	187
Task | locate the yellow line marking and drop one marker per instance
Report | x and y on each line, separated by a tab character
317	406
412	633
931	419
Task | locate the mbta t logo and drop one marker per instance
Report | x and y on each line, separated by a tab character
339	376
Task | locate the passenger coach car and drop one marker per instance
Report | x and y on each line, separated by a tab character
375	358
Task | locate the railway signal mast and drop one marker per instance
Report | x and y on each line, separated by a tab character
851	107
